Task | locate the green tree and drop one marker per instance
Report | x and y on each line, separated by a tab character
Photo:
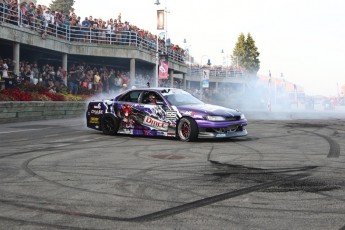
64	6
245	54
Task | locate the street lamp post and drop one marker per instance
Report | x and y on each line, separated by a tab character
165	11
208	61
157	63
187	51
225	62
204	75
188	61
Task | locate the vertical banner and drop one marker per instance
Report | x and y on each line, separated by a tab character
269	101
205	78
296	94
160	19
163	67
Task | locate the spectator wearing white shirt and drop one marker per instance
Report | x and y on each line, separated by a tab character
49	20
110	30
4	69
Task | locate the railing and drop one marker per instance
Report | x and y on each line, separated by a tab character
84	34
104	37
221	73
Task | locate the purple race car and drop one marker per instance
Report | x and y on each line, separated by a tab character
166	112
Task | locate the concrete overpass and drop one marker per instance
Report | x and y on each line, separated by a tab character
136	54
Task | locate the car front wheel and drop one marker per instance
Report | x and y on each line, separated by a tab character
110	125
187	129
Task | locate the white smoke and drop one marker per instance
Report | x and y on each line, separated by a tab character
269	100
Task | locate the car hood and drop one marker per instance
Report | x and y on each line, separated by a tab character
208	109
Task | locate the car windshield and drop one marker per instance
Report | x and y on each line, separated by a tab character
180	97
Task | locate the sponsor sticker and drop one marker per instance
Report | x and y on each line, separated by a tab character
156	124
171	115
96	112
98	106
189	113
94	120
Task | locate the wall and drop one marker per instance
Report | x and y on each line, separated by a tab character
16	111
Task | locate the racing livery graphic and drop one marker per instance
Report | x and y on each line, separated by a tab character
164	112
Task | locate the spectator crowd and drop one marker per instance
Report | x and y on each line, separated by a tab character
69	25
83	77
80	78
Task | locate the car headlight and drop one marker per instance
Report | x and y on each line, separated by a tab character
242	116
215	118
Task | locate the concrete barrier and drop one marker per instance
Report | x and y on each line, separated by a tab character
17	111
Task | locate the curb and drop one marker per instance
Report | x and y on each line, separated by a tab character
17	111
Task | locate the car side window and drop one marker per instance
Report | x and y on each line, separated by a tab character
145	97
132	96
148	94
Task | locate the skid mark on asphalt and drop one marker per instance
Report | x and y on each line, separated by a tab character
334	148
170	211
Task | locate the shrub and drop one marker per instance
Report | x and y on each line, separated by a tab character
27	87
16	94
39	97
31	92
4	97
70	97
54	96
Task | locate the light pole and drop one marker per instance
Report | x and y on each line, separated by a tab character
269	103
204	76
157	60
189	63
208	61
226	57
162	21
225	61
161	16
187	51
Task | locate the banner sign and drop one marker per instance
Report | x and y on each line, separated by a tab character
163	68
205	78
160	20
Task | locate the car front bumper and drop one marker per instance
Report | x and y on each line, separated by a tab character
223	135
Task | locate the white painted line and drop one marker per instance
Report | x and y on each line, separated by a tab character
18	131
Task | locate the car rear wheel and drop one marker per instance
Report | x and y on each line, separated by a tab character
187	129
110	125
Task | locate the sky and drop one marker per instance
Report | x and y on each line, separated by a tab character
303	40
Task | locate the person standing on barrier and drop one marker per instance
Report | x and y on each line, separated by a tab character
3	64
73	81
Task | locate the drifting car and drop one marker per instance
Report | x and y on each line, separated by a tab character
176	113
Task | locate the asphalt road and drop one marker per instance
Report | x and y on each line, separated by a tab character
286	174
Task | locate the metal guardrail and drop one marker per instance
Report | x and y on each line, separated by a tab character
215	73
84	34
104	36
